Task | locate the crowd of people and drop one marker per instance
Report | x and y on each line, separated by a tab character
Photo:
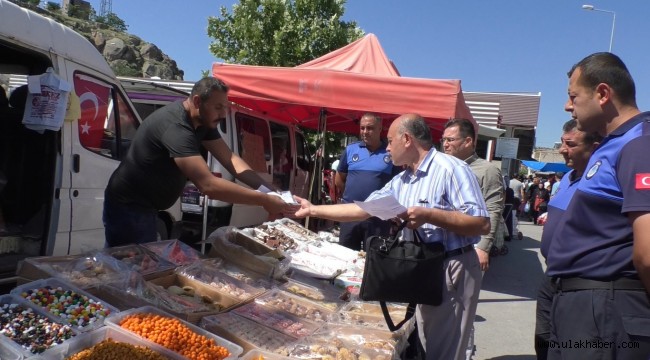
596	242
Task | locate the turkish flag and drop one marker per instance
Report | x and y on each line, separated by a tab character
94	100
642	181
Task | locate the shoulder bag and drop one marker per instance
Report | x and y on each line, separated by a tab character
405	272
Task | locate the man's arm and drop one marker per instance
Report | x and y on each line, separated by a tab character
453	221
493	193
337	212
339	181
195	168
641	250
235	164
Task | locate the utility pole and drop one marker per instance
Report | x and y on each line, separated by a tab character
106	7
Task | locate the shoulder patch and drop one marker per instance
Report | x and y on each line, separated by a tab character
642	181
387	159
593	170
355	157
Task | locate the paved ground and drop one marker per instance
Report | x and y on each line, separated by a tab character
505	319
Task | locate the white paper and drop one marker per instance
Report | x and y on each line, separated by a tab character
47	101
284	195
384	208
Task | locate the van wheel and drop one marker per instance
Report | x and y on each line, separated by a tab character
161	230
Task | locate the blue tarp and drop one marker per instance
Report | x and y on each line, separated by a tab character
546	167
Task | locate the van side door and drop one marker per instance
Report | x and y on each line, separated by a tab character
100	139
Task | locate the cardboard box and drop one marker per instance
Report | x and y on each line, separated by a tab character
226	302
36	268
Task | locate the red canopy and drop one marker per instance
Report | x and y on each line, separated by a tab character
297	94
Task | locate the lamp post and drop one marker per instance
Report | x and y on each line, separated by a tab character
592	8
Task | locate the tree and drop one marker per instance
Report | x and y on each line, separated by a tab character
111	19
52	6
283	33
280	32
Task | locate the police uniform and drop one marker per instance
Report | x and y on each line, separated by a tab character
366	172
601	309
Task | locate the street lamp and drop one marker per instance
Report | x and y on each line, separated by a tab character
592	8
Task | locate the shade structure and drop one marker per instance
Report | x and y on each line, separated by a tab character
347	83
297	95
546	167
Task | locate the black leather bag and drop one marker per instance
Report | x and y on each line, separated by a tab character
404	272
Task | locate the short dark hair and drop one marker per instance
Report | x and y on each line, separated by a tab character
465	127
589	138
415	126
604	67
204	87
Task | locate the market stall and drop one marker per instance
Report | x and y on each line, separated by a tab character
265	292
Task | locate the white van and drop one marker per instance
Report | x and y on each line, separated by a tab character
277	151
52	184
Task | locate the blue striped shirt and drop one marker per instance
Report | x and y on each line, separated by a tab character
443	182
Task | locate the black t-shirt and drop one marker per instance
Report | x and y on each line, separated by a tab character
148	177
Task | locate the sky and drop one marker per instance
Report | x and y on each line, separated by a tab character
491	46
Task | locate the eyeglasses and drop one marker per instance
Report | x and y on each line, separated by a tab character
448	139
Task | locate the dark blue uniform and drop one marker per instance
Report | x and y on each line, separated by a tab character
556	209
601	309
366	172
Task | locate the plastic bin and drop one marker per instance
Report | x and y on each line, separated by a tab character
92	338
7	351
115	319
53	283
248	334
329	298
141	259
11	299
278	320
295	305
263	355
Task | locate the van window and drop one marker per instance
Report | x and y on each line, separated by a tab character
98	129
302	152
254	141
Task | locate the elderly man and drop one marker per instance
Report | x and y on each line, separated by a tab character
444	203
576	149
364	167
600	251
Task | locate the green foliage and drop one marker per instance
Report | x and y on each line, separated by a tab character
111	19
280	32
333	142
124	68
52	6
79	12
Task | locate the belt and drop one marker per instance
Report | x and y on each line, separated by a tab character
576	284
459	251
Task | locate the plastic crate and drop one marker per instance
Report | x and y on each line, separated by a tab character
115	319
263	355
56	283
11	299
89	339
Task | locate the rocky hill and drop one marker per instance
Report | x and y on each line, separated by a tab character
128	55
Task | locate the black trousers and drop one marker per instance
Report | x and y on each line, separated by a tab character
600	324
543	317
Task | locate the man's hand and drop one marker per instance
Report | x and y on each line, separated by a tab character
483	258
415	216
276	206
305	207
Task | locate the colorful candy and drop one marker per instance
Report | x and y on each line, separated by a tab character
30	330
72	307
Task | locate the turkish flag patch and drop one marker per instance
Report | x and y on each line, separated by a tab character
642	181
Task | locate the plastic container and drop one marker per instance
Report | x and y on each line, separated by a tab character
327	297
52	283
115	319
263	355
277	320
92	338
295	305
7	351
140	259
248	334
11	299
174	251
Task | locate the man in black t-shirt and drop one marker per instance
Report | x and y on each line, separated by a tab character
164	153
